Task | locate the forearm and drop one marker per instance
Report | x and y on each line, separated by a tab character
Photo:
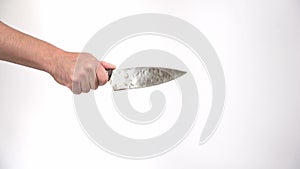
20	48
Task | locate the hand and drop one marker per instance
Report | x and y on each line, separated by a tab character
80	72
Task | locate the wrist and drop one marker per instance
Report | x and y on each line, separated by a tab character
55	61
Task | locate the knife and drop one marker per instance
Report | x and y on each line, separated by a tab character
140	77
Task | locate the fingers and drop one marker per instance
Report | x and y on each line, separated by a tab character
107	65
101	74
85	84
76	88
89	74
93	80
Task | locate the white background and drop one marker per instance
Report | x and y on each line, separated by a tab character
258	43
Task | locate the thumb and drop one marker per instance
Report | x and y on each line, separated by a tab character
107	65
101	74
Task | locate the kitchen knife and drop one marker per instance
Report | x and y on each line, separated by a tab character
140	77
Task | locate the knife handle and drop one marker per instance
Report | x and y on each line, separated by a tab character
109	73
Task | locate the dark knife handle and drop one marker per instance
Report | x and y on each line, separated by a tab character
109	73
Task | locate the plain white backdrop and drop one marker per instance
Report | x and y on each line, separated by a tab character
258	44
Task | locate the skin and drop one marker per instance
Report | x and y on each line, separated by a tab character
80	72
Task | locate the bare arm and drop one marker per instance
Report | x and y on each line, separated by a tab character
23	49
19	48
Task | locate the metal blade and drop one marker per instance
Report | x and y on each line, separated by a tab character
140	77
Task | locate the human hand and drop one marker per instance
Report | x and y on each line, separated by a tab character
80	72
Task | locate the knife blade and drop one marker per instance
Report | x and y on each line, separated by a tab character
140	77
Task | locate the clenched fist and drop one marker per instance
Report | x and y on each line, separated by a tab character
80	72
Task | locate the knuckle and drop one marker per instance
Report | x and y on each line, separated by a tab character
90	67
75	78
80	76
